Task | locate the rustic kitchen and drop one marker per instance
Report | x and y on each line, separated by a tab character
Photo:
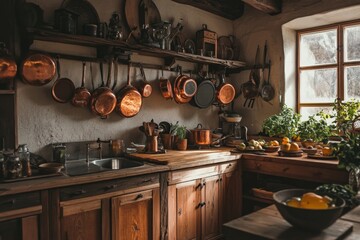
178	119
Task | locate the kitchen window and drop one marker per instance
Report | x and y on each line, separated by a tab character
328	66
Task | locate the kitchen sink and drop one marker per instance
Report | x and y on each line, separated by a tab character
76	168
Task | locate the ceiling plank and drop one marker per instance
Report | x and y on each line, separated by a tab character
271	7
230	9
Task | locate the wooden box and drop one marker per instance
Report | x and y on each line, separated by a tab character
206	42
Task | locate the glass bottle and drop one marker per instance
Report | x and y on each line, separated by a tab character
24	156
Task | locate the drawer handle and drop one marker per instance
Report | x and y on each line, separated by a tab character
200	205
10	202
229	165
139	196
113	186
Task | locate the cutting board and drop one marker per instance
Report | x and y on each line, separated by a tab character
175	157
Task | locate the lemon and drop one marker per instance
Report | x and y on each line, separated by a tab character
285	140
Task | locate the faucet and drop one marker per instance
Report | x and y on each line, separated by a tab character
93	146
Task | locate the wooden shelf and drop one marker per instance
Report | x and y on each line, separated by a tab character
46	35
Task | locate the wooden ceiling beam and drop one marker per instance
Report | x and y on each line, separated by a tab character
230	9
271	7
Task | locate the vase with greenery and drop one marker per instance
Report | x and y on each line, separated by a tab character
348	154
181	143
284	124
315	128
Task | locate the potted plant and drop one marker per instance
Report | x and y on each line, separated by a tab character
315	129
348	154
345	115
284	124
181	143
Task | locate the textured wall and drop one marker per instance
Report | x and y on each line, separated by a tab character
254	27
43	121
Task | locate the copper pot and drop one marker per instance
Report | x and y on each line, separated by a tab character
184	89
38	69
201	136
8	67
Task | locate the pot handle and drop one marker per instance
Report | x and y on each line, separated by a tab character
244	131
199	126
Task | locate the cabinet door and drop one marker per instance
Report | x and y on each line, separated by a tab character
188	201
211	207
136	216
232	195
84	220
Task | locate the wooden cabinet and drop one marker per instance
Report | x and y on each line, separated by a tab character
23	216
127	208
136	215
201	200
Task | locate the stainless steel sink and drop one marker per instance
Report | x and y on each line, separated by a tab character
76	168
117	163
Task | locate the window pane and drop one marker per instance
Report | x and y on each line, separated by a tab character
352	43
318	86
318	48
309	111
352	82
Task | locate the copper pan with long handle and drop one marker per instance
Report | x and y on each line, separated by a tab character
103	100
184	88
82	95
63	89
225	92
129	99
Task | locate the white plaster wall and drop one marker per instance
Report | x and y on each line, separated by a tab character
43	121
254	27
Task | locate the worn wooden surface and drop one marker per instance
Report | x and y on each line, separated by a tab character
267	6
267	223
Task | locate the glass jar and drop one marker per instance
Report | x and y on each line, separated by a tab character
13	166
24	156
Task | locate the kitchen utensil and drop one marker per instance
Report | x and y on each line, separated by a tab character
38	69
8	67
103	100
184	88
201	136
129	100
82	95
267	91
132	16
189	46
87	13
165	87
63	89
145	88
225	92
205	94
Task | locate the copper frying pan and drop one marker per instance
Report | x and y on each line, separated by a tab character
184	88
165	87
38	69
63	89
225	92
82	95
145	88
129	100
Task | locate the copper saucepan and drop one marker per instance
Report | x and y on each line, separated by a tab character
8	67
82	95
165	87
38	69
145	88
103	100
225	92
201	136
129	100
184	88
63	89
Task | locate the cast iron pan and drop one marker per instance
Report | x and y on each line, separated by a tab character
205	94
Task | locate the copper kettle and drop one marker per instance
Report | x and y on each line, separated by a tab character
8	67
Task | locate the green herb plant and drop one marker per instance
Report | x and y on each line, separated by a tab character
348	152
339	191
284	124
181	132
345	114
315	128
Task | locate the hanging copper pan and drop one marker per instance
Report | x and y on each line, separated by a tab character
38	69
145	88
63	89
129	100
165	87
82	95
225	92
184	88
8	67
103	100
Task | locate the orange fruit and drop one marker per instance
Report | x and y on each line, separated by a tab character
294	202
327	151
311	200
285	147
285	140
294	147
274	143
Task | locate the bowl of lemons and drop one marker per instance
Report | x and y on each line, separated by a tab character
307	210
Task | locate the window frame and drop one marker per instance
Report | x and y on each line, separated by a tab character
340	65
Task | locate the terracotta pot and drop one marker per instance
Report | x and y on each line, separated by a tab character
181	144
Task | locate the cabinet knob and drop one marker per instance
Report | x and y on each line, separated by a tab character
139	196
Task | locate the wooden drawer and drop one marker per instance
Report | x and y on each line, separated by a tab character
228	167
18	201
91	189
192	174
313	174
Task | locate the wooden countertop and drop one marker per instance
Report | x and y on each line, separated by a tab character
171	160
